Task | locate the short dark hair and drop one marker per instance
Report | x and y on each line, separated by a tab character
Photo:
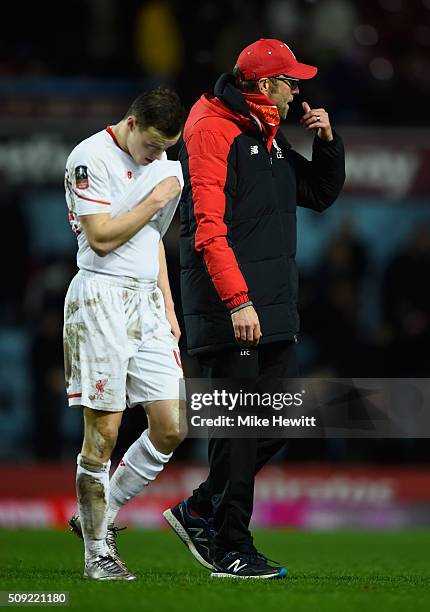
245	86
161	109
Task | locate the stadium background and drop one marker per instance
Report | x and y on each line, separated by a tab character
67	72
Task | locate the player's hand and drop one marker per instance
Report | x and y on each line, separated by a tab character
174	325
166	190
317	119
246	326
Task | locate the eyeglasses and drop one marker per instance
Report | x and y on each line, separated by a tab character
292	83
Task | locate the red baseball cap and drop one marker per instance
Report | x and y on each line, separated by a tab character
270	57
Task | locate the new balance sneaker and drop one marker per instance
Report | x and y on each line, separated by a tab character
196	532
112	532
247	566
106	568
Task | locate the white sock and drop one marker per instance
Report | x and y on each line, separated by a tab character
140	465
92	487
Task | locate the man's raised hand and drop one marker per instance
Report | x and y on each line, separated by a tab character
317	119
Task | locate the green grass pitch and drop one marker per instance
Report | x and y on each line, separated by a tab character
339	571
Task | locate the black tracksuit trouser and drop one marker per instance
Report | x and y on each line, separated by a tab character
228	492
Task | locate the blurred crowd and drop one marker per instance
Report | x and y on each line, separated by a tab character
373	56
336	294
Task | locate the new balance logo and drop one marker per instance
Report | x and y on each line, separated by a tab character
197	534
254	149
236	566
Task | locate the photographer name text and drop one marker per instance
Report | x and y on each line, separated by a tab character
252	421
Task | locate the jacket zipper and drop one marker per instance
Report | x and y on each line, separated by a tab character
264	141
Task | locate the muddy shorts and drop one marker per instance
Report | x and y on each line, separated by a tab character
118	345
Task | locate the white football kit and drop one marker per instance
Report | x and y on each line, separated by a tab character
118	345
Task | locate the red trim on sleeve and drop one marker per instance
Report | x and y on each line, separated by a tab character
73	395
237	301
208	150
90	199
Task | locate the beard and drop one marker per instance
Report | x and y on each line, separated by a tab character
283	111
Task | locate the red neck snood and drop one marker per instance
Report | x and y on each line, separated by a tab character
266	112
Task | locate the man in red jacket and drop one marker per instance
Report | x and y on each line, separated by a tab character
243	182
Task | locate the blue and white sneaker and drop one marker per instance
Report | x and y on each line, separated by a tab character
247	566
196	532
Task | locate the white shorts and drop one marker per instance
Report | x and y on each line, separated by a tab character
118	346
